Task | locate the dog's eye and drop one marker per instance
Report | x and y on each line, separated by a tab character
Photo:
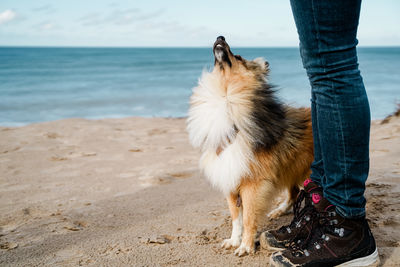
238	57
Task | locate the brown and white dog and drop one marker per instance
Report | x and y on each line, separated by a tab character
253	146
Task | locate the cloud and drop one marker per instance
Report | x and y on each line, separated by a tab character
137	27
130	16
46	26
119	17
91	19
113	4
47	9
7	16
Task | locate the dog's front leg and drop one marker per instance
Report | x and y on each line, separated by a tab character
237	222
249	198
285	206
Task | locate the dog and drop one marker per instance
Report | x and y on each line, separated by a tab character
253	146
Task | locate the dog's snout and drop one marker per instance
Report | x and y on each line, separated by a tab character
221	38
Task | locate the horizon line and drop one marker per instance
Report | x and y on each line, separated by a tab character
175	47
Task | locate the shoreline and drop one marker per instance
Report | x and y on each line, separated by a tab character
22	124
127	191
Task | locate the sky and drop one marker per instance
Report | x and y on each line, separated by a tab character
174	23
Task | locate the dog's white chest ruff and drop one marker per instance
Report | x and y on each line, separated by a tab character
226	170
211	123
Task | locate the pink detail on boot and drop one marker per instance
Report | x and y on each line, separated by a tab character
316	198
328	207
306	182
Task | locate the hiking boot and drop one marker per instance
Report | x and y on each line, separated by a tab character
300	226
335	241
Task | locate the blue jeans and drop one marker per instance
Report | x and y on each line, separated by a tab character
339	105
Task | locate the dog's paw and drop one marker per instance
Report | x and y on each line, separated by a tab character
276	213
244	250
230	243
282	209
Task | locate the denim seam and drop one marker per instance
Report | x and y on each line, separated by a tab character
320	176
344	149
323	181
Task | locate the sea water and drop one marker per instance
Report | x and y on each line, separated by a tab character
44	84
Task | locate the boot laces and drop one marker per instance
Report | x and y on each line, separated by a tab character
298	212
318	233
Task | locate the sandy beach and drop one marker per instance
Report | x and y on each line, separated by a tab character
127	192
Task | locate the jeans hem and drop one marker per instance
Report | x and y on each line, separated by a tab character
342	213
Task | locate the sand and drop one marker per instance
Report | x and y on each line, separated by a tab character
127	192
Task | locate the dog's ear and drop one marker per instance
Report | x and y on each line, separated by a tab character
263	63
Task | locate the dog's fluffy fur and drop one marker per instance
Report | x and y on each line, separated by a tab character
253	146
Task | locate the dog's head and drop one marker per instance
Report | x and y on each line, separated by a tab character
234	100
226	61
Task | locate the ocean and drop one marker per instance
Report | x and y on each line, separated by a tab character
45	84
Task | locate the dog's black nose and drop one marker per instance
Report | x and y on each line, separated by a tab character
221	38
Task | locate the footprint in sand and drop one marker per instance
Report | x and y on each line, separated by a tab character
386	138
88	154
380	152
11	150
156	132
112	250
74	154
375	185
8	245
58	158
388	243
155	180
208	236
7	129
52	135
76	226
70	257
390	222
167	178
135	149
180	161
181	175
162	239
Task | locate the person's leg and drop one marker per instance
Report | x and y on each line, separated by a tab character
341	115
327	31
317	167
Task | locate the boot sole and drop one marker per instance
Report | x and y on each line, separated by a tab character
264	243
370	261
